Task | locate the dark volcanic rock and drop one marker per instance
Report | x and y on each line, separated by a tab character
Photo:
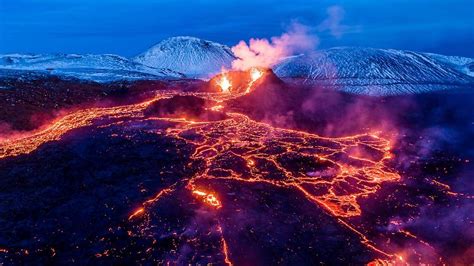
189	107
58	201
29	103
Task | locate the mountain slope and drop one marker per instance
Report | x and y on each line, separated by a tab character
462	64
374	71
101	68
188	55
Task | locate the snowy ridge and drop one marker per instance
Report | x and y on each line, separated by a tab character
376	71
188	55
462	64
356	70
100	68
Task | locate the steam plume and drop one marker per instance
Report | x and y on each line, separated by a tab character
265	53
298	39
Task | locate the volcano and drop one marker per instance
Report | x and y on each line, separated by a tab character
243	82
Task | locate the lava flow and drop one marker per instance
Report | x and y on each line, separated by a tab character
332	173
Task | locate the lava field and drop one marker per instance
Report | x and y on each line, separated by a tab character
187	172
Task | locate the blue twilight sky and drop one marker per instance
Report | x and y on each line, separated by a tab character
128	27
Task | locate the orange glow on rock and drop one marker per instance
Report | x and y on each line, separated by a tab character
208	198
136	213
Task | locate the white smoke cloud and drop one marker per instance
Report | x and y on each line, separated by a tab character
266	53
299	38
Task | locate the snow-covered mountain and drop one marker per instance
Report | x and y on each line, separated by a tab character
356	70
192	56
100	68
378	71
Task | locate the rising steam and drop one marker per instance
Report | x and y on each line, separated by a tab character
298	39
266	53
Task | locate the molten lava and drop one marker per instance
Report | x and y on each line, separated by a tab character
136	213
208	198
255	74
224	84
238	82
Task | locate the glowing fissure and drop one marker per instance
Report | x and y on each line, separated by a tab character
140	211
225	248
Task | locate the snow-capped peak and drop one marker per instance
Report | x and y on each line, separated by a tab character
189	55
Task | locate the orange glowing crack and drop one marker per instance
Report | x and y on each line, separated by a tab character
140	211
225	248
446	188
241	132
159	195
364	239
409	234
137	213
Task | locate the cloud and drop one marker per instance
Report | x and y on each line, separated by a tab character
333	22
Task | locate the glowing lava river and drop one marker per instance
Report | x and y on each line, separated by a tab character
236	191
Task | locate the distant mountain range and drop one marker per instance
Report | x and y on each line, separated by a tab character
378	71
356	70
99	68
